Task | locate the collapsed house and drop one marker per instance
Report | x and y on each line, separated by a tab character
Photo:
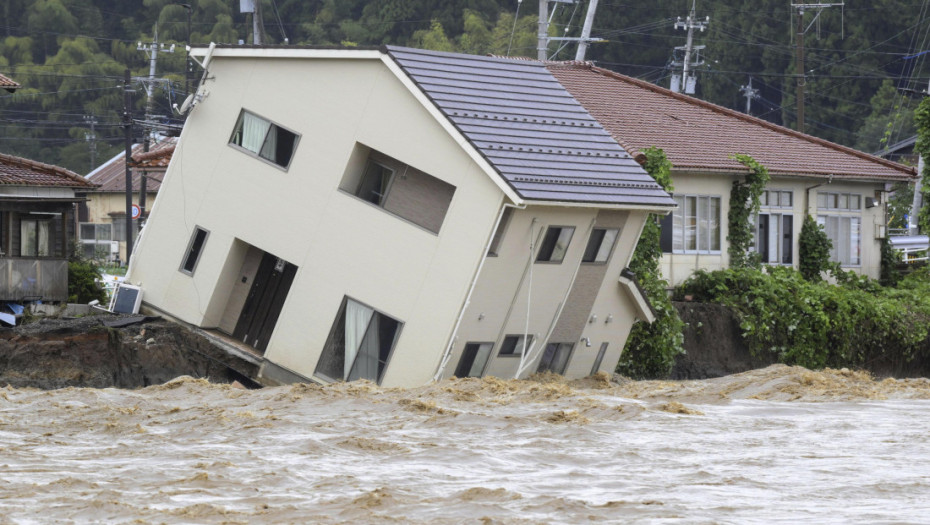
396	215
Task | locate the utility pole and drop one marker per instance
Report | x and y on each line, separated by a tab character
586	31
545	18
127	127
151	49
258	27
749	93
187	60
799	58
686	83
92	138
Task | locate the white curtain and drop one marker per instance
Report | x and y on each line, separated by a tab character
366	364
43	238
357	319
27	244
254	130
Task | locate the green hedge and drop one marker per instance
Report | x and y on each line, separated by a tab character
818	324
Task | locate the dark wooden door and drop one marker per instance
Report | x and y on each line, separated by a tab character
264	302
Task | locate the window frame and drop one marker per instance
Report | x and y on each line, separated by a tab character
822	219
542	244
237	129
600	245
486	360
49	242
498	238
517	344
340	313
188	252
678	214
556	352
599	358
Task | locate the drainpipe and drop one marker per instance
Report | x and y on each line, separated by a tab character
471	288
918	199
807	194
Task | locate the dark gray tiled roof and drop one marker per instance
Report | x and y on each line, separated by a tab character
530	129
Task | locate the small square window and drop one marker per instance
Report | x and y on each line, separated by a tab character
555	244
194	247
764	198
854	202
513	345
785	199
600	244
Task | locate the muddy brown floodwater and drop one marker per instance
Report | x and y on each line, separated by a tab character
779	444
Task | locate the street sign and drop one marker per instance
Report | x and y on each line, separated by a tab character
136	211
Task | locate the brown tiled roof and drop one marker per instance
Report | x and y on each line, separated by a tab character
700	136
111	176
17	171
8	84
155	159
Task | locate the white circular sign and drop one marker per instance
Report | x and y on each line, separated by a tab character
136	211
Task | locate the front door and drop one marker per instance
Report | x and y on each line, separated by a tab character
263	305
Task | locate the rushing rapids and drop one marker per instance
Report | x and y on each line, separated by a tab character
779	443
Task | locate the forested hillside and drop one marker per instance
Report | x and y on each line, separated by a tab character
70	55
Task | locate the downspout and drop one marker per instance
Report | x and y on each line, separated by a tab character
471	288
558	312
529	295
807	194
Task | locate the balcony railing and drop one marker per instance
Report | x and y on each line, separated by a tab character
33	279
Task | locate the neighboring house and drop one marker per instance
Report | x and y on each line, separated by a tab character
844	189
397	215
36	228
8	84
102	228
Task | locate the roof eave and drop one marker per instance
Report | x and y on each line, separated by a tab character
652	208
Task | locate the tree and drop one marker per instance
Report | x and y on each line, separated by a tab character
813	250
651	349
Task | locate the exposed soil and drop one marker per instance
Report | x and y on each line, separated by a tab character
82	352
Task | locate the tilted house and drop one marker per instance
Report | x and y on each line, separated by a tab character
36	228
396	215
102	218
844	189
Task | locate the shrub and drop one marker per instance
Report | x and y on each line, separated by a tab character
651	349
814	250
817	324
83	284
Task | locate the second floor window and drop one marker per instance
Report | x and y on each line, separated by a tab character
265	139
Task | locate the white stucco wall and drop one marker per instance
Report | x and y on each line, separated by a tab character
677	267
499	305
342	245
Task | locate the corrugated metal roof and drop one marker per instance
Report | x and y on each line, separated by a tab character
530	129
111	176
17	171
700	136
